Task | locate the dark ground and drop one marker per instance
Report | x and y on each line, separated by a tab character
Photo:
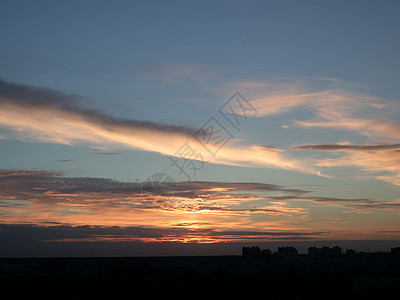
224	277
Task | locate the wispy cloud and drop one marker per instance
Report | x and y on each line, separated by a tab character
345	147
334	105
383	130
46	115
65	233
360	204
337	107
381	161
333	108
329	103
105	153
62	160
326	97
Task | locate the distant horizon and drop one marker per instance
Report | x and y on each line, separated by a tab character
135	249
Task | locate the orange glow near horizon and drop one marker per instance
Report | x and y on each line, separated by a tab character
214	215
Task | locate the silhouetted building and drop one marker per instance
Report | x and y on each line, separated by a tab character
324	252
395	252
352	255
288	253
266	253
256	252
252	252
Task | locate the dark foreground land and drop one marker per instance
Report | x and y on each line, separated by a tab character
365	276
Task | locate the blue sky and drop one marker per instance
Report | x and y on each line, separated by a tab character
112	90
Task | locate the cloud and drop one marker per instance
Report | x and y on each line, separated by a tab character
97	194
65	233
101	209
336	106
372	128
358	204
329	103
236	186
196	212
382	161
203	210
62	160
105	153
329	99
46	115
340	147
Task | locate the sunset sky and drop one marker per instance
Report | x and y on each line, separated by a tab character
146	124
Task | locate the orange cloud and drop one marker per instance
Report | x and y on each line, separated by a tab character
197	212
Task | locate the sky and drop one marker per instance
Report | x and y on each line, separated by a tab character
180	127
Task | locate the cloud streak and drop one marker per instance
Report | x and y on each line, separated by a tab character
65	233
360	204
381	161
339	147
371	118
333	107
47	115
196	212
219	198
104	153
